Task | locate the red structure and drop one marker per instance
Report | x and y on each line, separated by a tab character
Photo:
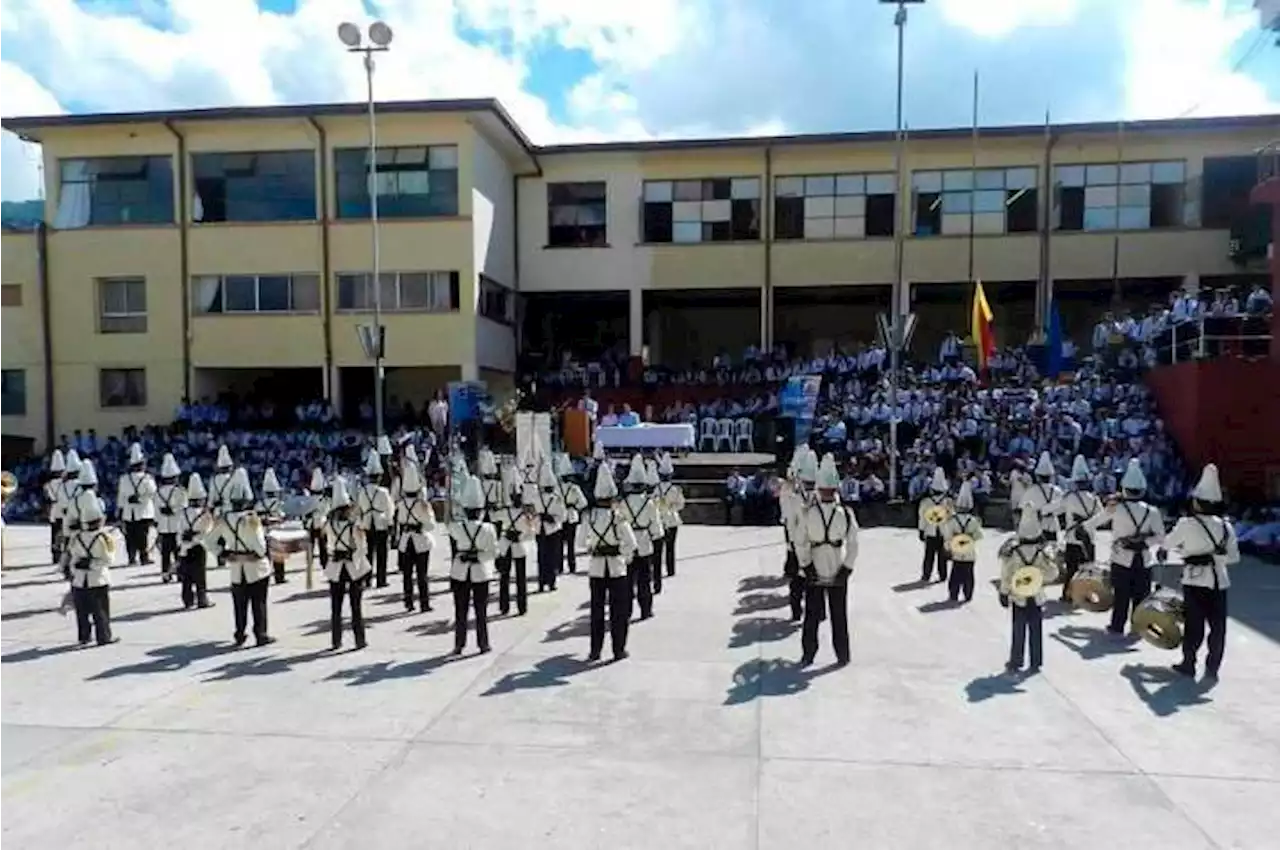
1267	192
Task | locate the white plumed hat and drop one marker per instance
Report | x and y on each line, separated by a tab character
410	480
472	494
57	463
1044	466
1133	479
340	498
270	484
964	498
372	464
1029	522
1209	488
169	466
195	487
636	473
1080	469
828	475
135	454
224	458
606	488
939	482
88	476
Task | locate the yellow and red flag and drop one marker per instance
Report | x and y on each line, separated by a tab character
984	338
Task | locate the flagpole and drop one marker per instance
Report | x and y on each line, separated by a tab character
1115	240
973	170
1047	206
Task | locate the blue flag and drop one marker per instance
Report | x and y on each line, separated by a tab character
1053	343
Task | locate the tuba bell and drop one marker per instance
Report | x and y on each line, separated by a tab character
1026	582
1159	619
937	514
8	485
962	547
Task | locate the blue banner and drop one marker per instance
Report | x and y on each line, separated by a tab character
799	401
466	401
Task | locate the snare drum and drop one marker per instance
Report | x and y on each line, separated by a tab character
1091	589
285	539
1159	619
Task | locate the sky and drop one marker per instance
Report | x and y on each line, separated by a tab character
595	70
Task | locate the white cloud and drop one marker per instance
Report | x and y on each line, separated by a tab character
664	67
19	161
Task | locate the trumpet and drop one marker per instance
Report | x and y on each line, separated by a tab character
8	485
937	514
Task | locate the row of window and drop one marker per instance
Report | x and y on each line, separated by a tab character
409	182
1138	195
122	302
117	388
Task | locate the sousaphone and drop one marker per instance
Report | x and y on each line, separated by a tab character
8	485
937	514
962	547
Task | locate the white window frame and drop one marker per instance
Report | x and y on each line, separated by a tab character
833	196
202	298
688	213
1119	193
121	322
102	401
436	280
962	190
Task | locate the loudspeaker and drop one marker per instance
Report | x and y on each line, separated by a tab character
780	437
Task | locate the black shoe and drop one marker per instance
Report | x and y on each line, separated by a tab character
264	641
484	650
110	640
842	662
336	647
457	650
595	656
621	656
361	644
1012	668
795	618
187	606
1210	676
166	578
806	661
86	641
1033	669
1116	632
1185	669
381	584
206	604
239	640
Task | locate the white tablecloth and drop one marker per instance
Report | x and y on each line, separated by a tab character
647	436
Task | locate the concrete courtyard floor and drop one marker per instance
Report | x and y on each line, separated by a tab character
707	737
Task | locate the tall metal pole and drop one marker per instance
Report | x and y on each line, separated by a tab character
377	252
895	355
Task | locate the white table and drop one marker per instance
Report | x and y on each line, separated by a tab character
647	436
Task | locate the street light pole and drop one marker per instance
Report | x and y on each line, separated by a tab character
379	42
897	319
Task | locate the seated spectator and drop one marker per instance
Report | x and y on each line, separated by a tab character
735	494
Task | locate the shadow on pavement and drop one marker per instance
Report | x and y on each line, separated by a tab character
996	685
166	659
754	603
753	583
551	672
770	677
35	653
575	628
753	630
1164	691
939	605
368	674
1091	642
266	666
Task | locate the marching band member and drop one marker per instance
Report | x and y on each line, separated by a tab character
270	511
219	486
518	538
170	499
65	495
640	509
1208	544
551	513
416	521
52	488
245	546
1045	497
1135	526
671	498
1076	508
1019	483
1027	612
608	537
826	548
792	502
318	517
86	499
348	570
90	551
935	550
195	523
472	567
134	493
657	532
963	521
375	512
491	482
574	504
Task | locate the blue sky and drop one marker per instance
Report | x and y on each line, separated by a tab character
585	70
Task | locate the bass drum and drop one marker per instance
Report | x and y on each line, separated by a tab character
1159	619
1091	590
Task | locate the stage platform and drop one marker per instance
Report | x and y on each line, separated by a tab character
743	460
708	736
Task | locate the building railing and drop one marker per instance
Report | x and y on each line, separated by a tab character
1211	337
1269	161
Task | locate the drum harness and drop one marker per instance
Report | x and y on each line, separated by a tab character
409	504
604	549
1136	543
471	554
635	515
1043	511
166	499
135	483
546	499
1199	562
86	563
242	549
189	516
344	540
369	489
220	490
965	522
1077	526
827	522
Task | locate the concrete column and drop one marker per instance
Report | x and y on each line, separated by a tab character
766	318
470	371
635	321
654	321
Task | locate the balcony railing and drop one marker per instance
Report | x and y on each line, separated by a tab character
1214	336
1269	161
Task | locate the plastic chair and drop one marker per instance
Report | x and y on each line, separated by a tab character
724	434
743	435
707	434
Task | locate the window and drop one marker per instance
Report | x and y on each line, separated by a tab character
261	293
114	190
988	200
1227	183
13	392
576	215
419	292
122	305
833	206
122	387
270	186
496	301
416	182
1127	196
11	295
721	209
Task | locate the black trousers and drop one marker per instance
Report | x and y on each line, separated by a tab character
640	571
55	540
1074	556
476	595
669	544
659	557
1204	607
168	543
935	553
353	590
377	539
250	596
617	592
961	581
277	572
505	565
795	585
1028	632
320	541
570	534
550	548
93	608
413	572
818	598
135	540
1131	585
192	571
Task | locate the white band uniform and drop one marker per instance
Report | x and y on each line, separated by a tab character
679	435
